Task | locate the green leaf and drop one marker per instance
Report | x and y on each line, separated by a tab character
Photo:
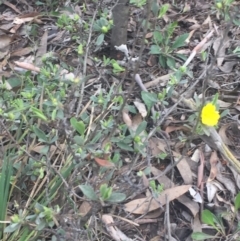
96	137
170	29
224	113
181	56
117	68
141	128
236	21
12	227
208	217
40	134
237	202
100	39
79	126
117	197
89	192
79	140
215	99
103	22
171	63
158	38
163	10
14	82
149	99
155	8
39	113
155	49
180	41
124	146
108	193
163	61
103	189
201	236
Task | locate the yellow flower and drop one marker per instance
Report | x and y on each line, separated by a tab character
210	115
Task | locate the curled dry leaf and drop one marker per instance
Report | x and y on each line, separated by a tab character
145	205
227	182
104	163
222	134
211	190
196	195
196	156
84	208
22	52
126	118
114	232
227	67
53	148
183	167
213	162
141	108
27	66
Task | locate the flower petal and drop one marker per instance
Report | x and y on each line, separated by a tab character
210	115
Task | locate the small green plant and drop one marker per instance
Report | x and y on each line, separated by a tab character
116	67
156	188
228	11
164	47
216	222
163	10
103	26
138	3
237	51
106	61
69	23
106	194
44	217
